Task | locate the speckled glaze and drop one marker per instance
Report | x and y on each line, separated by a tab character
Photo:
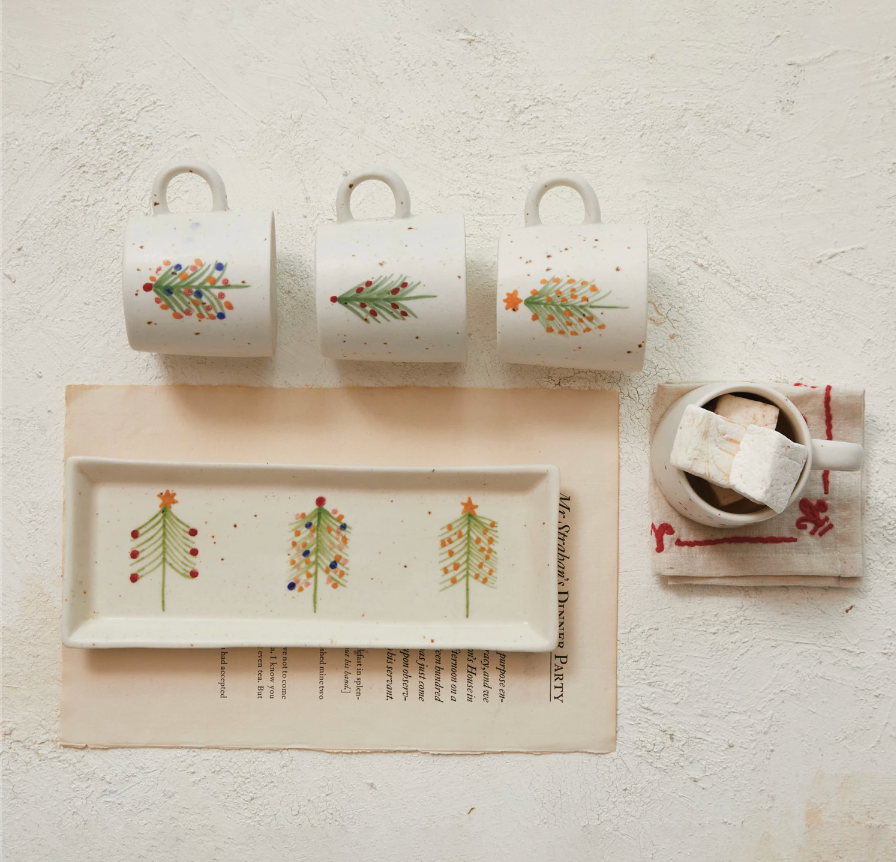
394	289
822	455
228	261
572	296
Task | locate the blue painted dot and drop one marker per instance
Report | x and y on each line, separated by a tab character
305	553
221	315
198	294
291	585
333	564
169	291
219	266
177	267
307	525
342	526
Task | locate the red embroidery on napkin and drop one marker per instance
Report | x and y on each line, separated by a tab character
814	514
736	540
659	532
829	433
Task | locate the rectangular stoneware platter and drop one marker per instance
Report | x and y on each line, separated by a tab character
223	555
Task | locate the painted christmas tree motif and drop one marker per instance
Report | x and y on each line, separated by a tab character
164	542
469	551
318	550
383	298
566	309
193	290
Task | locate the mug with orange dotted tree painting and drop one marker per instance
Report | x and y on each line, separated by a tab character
318	553
200	283
468	552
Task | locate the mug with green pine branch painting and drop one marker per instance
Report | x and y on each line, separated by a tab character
572	296
394	289
200	284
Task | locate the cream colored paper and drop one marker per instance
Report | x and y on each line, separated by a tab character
356	700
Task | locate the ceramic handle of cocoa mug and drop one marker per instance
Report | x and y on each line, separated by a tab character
207	172
571	181
836	455
390	178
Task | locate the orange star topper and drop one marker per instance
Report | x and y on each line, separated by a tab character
512	301
167	499
469	507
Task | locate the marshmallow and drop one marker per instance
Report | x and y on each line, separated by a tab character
705	445
719	496
767	467
746	411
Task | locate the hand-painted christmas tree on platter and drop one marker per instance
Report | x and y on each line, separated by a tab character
468	551
164	542
198	289
383	298
564	309
318	549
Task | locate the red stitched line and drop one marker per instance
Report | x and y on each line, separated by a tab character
736	540
829	431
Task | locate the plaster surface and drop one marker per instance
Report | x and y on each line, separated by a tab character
756	140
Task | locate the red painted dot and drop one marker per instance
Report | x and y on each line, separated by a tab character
188	292
194	531
134	578
320	501
334	299
225	281
363	304
404	284
159	300
134	554
221	294
394	290
394	305
135	534
359	290
404	314
372	313
367	283
147	287
194	573
194	552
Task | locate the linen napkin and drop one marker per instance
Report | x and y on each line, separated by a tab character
816	543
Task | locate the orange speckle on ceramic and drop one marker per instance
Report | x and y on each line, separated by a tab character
177	315
166	262
485	580
152	278
587	329
453	579
594	288
450	552
211	280
590	318
294	542
549	299
445	570
491	541
583	281
338	558
460	534
492	524
567	312
478	540
334	585
574	333
184	276
163	307
534	292
202	317
535	317
300	590
549	329
340	573
476	576
456	566
345	540
443	543
197	261
601	325
292	562
544	281
556	280
480	564
491	571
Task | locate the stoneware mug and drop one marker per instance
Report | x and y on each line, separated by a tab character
391	289
572	296
680	489
200	284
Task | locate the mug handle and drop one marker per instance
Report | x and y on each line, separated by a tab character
837	455
572	181
352	181
207	172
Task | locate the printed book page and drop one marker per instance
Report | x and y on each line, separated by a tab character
460	701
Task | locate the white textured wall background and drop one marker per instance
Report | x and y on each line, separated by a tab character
755	139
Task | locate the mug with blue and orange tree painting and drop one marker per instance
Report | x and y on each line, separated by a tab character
200	284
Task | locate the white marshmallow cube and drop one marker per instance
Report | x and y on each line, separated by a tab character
746	411
767	467
705	445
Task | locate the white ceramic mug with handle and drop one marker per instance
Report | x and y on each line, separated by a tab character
572	296
678	487
393	289
200	284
